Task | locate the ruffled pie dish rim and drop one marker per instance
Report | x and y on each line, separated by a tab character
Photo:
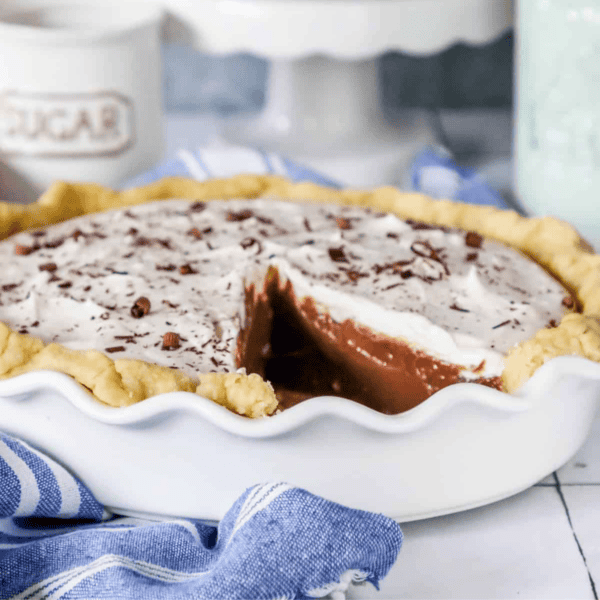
553	244
540	385
448	454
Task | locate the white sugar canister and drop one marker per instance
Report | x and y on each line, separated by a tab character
557	97
80	93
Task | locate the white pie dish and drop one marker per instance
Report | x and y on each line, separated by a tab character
182	455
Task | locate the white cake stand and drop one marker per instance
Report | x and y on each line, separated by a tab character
322	101
322	105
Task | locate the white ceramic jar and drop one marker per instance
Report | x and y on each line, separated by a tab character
558	111
80	93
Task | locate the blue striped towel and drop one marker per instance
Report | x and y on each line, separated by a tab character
275	542
433	171
222	159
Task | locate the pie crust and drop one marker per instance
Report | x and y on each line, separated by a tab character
552	243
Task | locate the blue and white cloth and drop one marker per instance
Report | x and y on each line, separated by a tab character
276	542
221	159
435	173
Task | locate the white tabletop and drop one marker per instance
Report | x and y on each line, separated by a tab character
542	543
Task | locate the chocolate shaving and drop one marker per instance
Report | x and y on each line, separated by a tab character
170	304
54	244
144	241
115	349
164	243
129	339
518	289
568	302
249	242
425	250
170	267
307	225
195	232
10	286
394	236
140	308
473	239
48	267
65	284
399	264
22	250
197	206
242	215
419	225
397	267
343	223
355	275
187	269
389	287
171	341
458	308
131	336
501	324
338	254
471	256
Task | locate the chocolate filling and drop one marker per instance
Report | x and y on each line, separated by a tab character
304	353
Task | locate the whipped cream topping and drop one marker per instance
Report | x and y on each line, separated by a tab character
454	295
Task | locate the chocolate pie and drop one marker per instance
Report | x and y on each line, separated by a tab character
259	293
